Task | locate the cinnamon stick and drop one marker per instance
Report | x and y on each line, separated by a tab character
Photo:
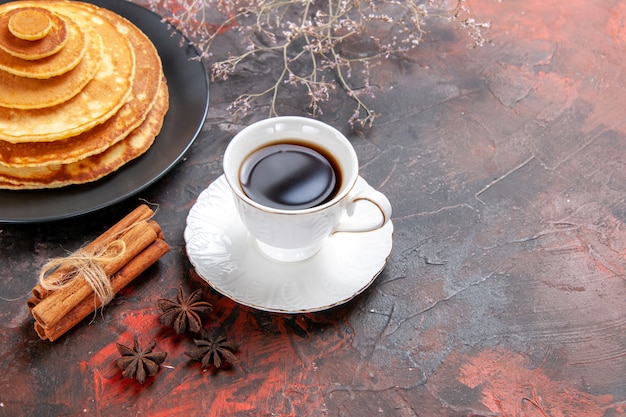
142	212
32	302
39	293
57	304
119	280
157	229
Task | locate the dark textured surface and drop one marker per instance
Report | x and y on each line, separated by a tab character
505	294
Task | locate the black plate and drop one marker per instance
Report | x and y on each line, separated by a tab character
189	100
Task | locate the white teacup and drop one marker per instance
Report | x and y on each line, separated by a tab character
291	235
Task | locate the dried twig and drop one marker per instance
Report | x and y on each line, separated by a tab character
308	38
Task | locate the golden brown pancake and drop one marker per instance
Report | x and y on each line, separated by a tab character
68	57
97	102
30	24
34	93
94	141
114	119
32	33
95	166
144	90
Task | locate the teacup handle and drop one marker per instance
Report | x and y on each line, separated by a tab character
367	195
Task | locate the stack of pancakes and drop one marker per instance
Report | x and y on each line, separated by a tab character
82	92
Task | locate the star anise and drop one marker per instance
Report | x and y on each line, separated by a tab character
139	363
213	350
185	312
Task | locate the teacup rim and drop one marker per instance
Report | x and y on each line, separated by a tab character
350	180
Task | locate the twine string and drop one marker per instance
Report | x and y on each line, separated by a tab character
85	265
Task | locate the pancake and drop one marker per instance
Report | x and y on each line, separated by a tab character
67	58
114	119
32	33
143	95
34	93
95	166
94	141
96	103
31	24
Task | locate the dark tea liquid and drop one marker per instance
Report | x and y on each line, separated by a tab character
289	176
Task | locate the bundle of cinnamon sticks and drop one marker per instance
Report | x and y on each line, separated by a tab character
57	309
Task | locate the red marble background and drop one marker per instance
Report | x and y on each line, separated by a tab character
505	294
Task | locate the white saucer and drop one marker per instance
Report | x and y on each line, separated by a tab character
225	256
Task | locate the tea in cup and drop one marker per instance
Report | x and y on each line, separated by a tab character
293	183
